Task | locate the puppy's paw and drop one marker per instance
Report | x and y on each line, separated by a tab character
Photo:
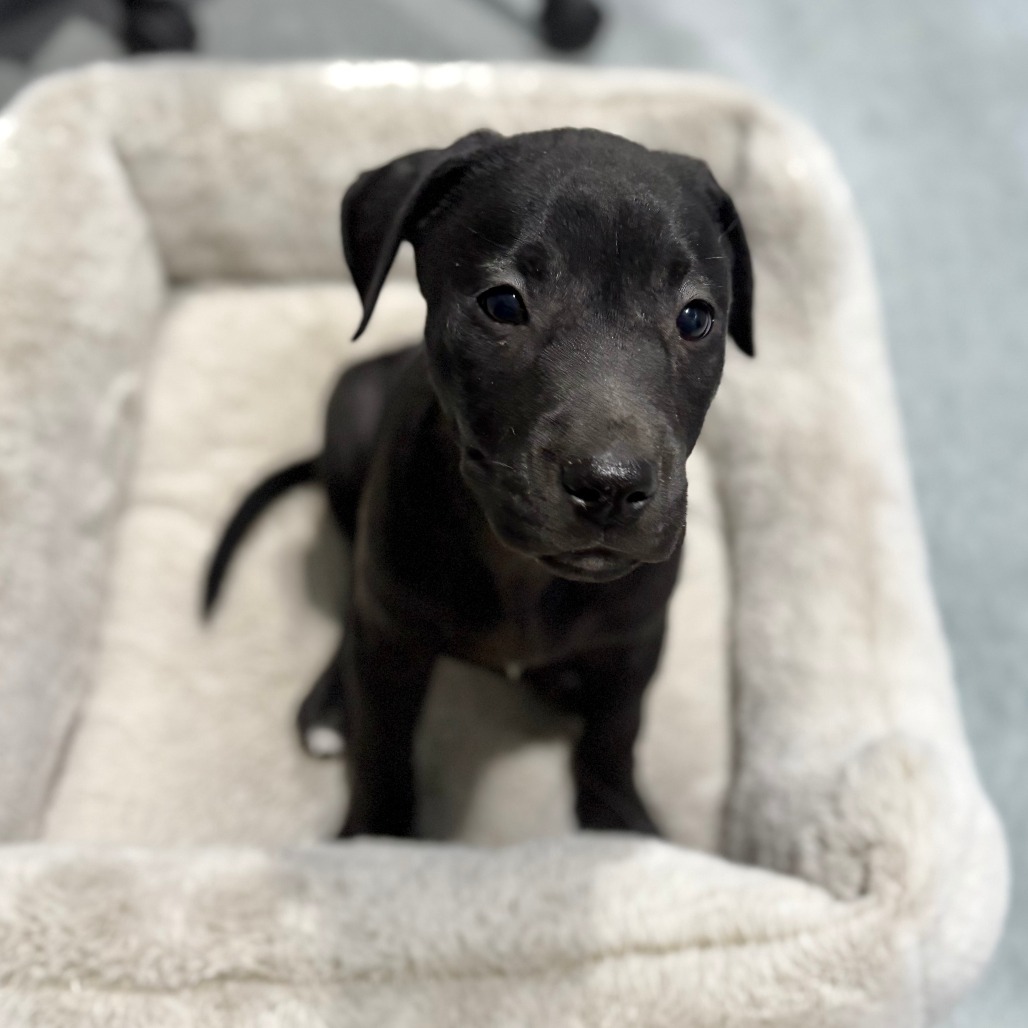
604	807
320	721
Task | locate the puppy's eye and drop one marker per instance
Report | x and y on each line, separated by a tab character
503	304
695	320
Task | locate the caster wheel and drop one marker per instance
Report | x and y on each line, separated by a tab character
152	26
570	24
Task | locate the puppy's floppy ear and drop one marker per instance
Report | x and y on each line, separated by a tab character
383	207
740	316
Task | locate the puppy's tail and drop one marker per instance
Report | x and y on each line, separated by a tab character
257	499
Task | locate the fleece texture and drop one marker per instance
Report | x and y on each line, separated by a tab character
173	311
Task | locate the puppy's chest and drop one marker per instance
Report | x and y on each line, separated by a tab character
531	624
511	644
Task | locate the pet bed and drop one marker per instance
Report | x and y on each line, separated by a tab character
173	309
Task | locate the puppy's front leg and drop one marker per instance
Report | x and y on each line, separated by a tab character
385	677
612	684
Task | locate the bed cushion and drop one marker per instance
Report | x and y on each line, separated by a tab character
188	734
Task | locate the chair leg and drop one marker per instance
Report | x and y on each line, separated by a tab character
152	26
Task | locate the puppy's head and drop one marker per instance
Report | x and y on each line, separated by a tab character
580	291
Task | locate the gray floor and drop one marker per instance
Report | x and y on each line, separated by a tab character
926	104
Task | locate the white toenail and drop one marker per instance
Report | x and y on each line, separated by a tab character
325	742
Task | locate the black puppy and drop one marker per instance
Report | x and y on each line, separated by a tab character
515	489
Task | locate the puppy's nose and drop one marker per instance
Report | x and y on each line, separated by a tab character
608	488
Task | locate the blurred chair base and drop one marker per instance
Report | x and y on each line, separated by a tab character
143	26
152	26
570	24
564	25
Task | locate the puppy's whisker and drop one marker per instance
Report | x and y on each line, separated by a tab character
481	235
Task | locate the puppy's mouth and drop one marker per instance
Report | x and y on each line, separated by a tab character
596	564
522	519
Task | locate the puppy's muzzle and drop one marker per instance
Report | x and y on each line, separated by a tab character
608	488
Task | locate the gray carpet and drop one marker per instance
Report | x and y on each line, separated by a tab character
926	106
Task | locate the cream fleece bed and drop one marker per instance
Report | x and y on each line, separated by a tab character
173	309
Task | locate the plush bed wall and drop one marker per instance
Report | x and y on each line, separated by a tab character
172	309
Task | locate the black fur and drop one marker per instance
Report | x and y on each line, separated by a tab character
515	491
